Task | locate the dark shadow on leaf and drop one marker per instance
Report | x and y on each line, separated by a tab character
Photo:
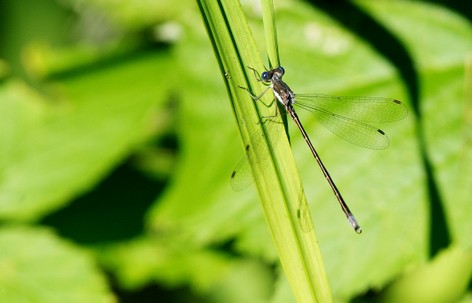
113	211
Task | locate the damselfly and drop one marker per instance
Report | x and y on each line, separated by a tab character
344	116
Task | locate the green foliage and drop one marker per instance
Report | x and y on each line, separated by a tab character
36	266
89	109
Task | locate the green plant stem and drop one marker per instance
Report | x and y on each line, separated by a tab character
277	180
270	31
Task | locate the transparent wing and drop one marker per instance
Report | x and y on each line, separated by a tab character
351	130
367	109
241	176
303	212
344	116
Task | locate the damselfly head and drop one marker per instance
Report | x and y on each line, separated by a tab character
268	75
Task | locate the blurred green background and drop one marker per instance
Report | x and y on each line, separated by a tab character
117	141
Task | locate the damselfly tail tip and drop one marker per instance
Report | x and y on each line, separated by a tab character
354	224
358	229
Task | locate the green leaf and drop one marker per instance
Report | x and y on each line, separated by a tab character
53	151
163	260
444	106
36	266
427	283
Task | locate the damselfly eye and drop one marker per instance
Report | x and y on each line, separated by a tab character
265	76
280	71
